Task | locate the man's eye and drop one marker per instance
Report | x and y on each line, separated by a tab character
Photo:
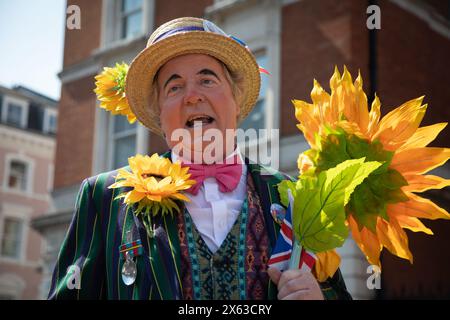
173	89
207	82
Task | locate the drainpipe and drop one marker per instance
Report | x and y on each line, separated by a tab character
372	58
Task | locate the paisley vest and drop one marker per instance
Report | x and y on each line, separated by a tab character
238	269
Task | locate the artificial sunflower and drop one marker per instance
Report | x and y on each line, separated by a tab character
339	127
156	185
110	90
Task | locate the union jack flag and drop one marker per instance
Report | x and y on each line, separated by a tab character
282	253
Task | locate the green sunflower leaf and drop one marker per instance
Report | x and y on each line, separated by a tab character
366	206
283	188
333	150
319	204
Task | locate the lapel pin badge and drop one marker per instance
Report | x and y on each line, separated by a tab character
278	213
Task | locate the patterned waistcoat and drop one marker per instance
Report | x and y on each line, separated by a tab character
238	269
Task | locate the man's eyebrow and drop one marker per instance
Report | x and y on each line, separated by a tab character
208	72
172	77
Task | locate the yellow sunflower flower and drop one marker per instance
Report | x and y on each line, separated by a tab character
110	90
156	185
339	127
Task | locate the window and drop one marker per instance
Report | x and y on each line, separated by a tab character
256	119
17	178
131	18
123	141
50	122
14	111
36	116
11	238
14	114
125	21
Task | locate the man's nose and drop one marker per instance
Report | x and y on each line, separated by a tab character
192	96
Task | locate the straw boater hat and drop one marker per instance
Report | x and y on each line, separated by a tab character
183	36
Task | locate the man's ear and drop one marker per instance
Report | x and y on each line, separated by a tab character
238	113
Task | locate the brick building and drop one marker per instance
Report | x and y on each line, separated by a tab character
296	41
27	148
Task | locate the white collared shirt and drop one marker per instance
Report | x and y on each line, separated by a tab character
213	212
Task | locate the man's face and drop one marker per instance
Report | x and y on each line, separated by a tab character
194	92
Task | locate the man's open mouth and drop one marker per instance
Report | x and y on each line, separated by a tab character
199	120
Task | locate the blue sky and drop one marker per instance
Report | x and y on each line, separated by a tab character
31	42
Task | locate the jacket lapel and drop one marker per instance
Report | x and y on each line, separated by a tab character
164	253
266	181
159	265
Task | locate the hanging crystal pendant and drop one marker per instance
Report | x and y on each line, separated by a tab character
129	271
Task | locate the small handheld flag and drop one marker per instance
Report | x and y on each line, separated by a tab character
288	253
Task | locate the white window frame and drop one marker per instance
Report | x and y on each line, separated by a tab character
7	100
123	15
111	28
24	237
112	140
50	177
102	159
47	114
29	162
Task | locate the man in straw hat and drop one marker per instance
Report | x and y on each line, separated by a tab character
190	77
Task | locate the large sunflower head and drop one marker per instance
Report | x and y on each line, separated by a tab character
156	184
339	127
110	90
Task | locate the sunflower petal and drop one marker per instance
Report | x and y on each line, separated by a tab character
412	224
374	116
308	123
346	97
154	197
367	241
326	264
400	124
423	136
181	196
419	183
393	237
361	105
134	196
418	207
165	182
419	160
407	110
334	101
321	99
133	162
140	188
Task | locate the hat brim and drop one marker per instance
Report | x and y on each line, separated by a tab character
144	67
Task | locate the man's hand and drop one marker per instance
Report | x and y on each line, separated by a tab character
295	285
